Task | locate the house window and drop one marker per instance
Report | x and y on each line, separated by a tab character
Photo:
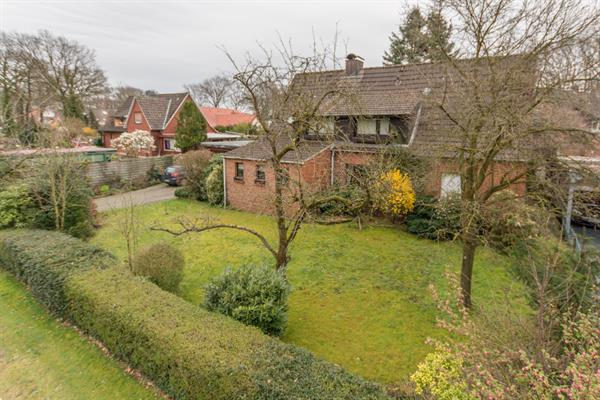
373	126
118	122
137	117
169	144
239	170
595	127
260	173
450	185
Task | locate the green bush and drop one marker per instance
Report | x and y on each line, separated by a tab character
183	193
15	205
160	263
214	181
192	353
254	295
59	177
435	219
43	260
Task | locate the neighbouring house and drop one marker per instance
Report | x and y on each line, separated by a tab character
225	117
158	114
388	109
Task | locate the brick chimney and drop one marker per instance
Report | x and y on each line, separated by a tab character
354	64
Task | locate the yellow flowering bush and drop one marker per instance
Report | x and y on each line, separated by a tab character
394	193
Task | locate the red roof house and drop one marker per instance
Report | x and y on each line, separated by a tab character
225	117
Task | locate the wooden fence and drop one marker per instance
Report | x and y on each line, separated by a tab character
127	170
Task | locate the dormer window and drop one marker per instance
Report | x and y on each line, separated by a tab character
373	126
118	122
595	127
137	118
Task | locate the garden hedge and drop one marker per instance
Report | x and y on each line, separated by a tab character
43	260
187	351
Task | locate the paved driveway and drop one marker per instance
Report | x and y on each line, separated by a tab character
151	194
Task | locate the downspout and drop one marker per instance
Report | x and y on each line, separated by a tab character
224	184
332	164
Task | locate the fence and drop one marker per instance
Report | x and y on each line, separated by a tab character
125	170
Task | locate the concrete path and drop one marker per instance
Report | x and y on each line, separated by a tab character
151	194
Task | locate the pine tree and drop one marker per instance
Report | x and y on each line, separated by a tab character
191	127
73	107
420	38
91	120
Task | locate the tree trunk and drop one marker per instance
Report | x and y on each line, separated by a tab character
466	272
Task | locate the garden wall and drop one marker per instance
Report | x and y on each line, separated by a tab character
188	352
125	170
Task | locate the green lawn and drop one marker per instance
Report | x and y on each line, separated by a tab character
42	359
359	297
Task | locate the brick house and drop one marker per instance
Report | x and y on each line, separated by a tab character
156	114
388	109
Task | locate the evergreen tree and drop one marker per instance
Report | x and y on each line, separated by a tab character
73	107
191	127
420	38
91	120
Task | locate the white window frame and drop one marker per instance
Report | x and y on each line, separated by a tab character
371	124
137	117
450	184
171	142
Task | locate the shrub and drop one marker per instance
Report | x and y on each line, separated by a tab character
215	191
14	205
161	263
394	194
183	193
43	260
196	164
433	219
254	295
62	195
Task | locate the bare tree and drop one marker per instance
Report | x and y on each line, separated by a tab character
496	105
287	99
214	91
67	68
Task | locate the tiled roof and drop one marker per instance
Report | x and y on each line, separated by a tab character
260	150
391	90
158	110
225	116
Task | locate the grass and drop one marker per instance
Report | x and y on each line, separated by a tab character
360	298
42	359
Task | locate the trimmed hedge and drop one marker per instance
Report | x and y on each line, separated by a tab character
43	260
187	351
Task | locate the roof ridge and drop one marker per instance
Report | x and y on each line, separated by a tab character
166	114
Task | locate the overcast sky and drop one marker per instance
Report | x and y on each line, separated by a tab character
163	44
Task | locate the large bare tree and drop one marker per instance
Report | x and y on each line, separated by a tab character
214	91
287	98
501	103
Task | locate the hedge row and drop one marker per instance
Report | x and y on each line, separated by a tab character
44	259
187	351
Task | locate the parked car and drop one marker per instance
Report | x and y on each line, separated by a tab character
174	175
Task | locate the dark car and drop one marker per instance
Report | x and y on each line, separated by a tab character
174	175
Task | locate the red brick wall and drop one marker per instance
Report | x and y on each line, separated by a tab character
499	170
107	138
131	125
342	159
249	195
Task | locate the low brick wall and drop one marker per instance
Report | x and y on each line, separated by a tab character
125	170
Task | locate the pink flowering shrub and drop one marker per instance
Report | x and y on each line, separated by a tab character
133	143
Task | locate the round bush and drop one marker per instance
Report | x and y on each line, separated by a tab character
161	263
254	295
